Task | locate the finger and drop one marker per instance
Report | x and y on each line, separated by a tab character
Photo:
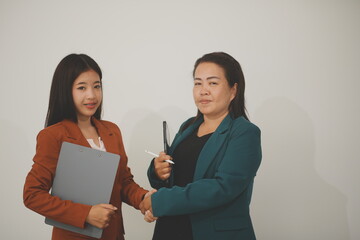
149	217
165	165
111	213
150	220
165	176
166	157
165	171
108	206
162	157
149	193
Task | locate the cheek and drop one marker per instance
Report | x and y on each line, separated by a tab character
74	97
100	95
194	93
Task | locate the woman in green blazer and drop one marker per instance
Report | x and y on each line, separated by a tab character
206	194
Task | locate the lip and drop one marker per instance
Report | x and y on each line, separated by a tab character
90	105
204	101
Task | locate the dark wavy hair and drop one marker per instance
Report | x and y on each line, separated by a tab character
61	103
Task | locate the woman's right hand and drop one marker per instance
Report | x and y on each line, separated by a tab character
162	168
100	215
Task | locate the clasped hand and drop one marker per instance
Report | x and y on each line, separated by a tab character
146	208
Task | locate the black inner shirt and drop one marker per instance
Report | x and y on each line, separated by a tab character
185	157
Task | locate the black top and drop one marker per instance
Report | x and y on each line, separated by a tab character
185	157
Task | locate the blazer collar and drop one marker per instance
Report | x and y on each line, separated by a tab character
211	147
180	136
106	134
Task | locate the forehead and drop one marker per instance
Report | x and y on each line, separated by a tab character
87	77
207	69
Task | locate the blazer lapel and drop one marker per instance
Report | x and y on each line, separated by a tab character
74	133
211	147
107	136
180	136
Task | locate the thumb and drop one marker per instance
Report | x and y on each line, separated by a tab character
108	206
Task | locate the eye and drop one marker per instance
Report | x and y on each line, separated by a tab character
81	88
213	83
97	86
197	83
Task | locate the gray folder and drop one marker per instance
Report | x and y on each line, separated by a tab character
84	175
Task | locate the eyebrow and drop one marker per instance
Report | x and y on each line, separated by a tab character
86	83
208	78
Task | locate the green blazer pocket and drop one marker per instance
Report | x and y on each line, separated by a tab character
231	223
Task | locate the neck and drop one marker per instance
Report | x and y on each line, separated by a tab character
88	130
211	123
84	123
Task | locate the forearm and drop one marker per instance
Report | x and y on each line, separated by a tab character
201	195
131	192
37	198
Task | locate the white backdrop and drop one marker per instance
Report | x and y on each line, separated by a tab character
301	61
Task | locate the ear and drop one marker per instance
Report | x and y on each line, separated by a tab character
233	91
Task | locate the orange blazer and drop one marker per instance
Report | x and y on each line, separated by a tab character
40	178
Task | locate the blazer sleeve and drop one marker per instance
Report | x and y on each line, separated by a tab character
131	192
233	175
39	181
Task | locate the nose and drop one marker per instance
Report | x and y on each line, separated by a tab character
90	93
204	90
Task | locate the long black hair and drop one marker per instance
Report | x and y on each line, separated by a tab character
234	75
61	103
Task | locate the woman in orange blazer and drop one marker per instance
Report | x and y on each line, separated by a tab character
74	116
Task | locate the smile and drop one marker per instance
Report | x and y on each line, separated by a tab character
90	105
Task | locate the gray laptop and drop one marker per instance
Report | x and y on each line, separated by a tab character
84	175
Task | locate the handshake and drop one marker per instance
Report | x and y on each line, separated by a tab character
162	165
145	207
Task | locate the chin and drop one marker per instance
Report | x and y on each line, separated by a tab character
205	112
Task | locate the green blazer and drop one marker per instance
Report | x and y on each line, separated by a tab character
218	199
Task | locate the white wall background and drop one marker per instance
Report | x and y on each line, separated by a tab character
301	61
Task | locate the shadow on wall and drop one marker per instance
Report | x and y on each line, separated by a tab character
143	129
146	131
291	201
16	153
